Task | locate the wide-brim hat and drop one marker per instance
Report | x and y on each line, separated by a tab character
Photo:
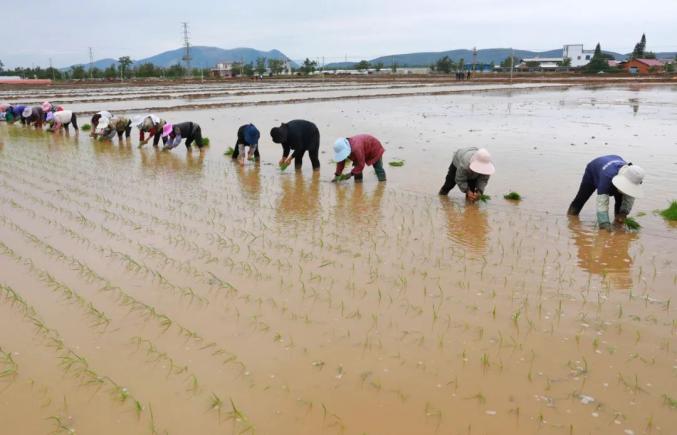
629	180
27	112
46	106
167	129
480	162
49	117
341	149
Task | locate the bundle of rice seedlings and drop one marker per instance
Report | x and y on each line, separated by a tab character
670	213
396	163
513	196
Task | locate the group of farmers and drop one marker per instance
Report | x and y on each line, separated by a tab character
470	169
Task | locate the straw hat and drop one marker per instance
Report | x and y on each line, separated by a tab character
629	180
480	162
341	149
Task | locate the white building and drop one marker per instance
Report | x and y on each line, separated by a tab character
223	69
579	57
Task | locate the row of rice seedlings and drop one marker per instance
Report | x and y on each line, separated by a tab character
99	318
160	275
124	299
129	262
71	362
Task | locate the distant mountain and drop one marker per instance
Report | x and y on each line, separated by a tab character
210	56
488	55
202	57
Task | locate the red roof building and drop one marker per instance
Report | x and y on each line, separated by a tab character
644	66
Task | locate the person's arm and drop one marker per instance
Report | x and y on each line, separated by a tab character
462	179
603	211
482	182
340	166
626	206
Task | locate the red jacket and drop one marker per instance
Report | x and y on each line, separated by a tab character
365	149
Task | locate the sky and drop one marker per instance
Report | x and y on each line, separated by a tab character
333	30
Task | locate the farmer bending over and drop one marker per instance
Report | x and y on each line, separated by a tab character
152	125
363	150
247	136
301	136
175	133
62	118
119	125
611	176
33	115
470	169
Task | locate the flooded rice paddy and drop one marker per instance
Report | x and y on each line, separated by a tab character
151	292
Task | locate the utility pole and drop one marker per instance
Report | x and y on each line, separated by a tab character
51	68
474	58
91	63
512	60
186	46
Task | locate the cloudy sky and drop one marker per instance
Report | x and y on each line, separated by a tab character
63	31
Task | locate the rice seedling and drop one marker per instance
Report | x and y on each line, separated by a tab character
484	198
61	425
669	401
86	127
396	163
205	141
670	213
632	224
8	367
513	196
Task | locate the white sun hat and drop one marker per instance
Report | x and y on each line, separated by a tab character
28	111
341	149
629	180
480	162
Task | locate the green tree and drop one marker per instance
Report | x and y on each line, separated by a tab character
260	66
248	69
640	47
509	61
176	71
111	72
276	66
78	72
444	65
362	65
308	67
147	70
461	64
566	62
670	67
2	66
393	67
96	73
125	62
379	66
598	63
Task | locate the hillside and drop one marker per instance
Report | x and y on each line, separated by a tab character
202	57
486	56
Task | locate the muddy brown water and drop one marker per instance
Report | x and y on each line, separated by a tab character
144	291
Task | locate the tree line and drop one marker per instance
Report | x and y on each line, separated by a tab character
124	68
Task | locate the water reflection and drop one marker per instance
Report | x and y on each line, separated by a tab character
162	162
106	148
467	226
300	199
603	253
362	209
249	177
634	103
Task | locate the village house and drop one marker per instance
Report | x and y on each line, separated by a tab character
644	66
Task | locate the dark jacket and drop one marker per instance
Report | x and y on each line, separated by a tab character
298	135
